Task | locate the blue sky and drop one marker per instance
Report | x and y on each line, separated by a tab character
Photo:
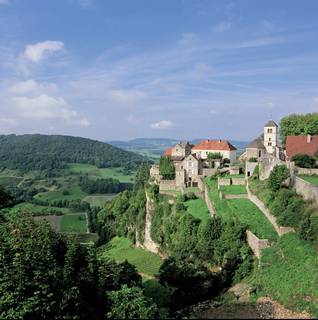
182	69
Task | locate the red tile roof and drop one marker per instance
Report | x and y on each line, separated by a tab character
168	152
214	145
301	145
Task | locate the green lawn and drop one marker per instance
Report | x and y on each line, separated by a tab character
74	193
74	223
312	179
37	209
198	209
99	200
95	172
289	273
233	189
121	249
244	210
234	176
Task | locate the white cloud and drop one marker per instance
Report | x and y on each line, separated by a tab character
31	86
163	124
127	96
38	51
222	26
45	107
4	2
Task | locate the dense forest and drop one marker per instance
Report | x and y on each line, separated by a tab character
49	153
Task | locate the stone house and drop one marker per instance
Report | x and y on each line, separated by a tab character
224	147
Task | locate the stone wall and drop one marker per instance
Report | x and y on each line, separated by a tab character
267	165
235	196
208	172
168	185
306	189
256	244
250	168
224	182
208	201
268	214
307	171
238	182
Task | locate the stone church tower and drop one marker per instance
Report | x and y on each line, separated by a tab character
271	137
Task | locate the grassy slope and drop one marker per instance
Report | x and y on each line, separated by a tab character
198	209
245	211
76	223
289	273
10	181
311	179
233	189
37	209
121	249
75	193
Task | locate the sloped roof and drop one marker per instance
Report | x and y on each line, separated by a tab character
168	152
183	143
301	145
256	144
271	123
214	145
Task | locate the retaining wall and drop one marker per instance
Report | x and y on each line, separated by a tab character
168	185
268	214
307	171
224	182
234	196
208	201
256	244
238	181
308	190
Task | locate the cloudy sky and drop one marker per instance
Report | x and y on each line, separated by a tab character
121	69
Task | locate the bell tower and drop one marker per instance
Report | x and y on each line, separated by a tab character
271	136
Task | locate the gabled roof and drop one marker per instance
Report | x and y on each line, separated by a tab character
256	144
301	145
168	152
214	145
271	124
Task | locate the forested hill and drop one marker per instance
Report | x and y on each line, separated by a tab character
49	152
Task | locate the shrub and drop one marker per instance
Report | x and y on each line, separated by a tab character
253	159
304	161
166	168
277	177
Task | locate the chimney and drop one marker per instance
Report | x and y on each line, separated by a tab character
308	138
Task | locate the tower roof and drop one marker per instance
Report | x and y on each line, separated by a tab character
256	144
271	123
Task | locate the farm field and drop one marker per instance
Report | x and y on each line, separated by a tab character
121	249
244	210
53	220
99	200
289	274
312	179
38	209
10	181
73	193
233	189
198	209
96	173
74	223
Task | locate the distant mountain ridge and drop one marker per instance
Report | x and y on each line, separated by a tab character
157	145
50	152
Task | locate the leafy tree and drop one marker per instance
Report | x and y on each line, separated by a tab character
142	176
304	161
295	125
166	168
278	175
131	303
214	155
5	198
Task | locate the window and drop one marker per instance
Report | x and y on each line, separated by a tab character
269	130
270	139
259	153
269	144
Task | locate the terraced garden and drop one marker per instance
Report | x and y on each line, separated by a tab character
312	179
121	249
198	209
244	210
233	189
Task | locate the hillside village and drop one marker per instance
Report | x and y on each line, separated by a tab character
192	163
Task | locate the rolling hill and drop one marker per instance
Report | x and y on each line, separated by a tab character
51	152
